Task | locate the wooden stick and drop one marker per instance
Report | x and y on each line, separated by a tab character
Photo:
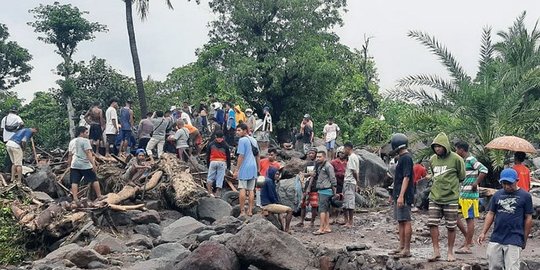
43	151
34	149
126	207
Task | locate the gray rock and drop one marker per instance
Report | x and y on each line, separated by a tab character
293	167
151	230
154	264
288	154
382	192
261	244
42	180
189	242
60	253
114	244
212	209
81	258
205	235
221	238
372	169
42	196
153	205
227	224
151	216
121	218
96	265
140	240
356	247
180	229
210	256
168	251
290	192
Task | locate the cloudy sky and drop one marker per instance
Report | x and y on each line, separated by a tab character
168	38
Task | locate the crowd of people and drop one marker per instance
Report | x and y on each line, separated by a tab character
329	179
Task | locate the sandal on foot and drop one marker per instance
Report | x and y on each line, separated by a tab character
463	251
318	233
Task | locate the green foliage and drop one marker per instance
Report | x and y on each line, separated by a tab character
14	61
12	238
46	113
499	101
373	132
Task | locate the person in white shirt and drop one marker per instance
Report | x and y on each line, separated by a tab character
331	131
111	124
82	163
10	124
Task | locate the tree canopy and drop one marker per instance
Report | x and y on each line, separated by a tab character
14	61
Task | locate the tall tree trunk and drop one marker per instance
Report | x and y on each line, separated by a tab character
135	57
71	115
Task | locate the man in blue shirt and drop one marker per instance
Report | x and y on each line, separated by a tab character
15	148
511	208
126	124
247	166
270	198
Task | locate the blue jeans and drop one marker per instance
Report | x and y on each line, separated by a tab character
216	173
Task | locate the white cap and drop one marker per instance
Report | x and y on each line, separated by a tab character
172	108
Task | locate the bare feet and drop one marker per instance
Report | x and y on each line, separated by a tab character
464	250
300	224
434	258
451	257
395	251
404	254
347	225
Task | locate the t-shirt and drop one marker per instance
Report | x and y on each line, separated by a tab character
419	172
10	120
352	165
524	175
331	131
306	136
110	115
181	136
184	116
145	128
160	127
404	168
472	169
248	168
20	136
125	118
510	210
264	164
78	147
339	169
310	167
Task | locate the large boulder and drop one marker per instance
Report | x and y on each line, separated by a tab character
114	244
212	209
290	192
210	256
180	228
288	154
227	224
60	253
147	217
372	169
82	257
168	251
293	167
43	179
261	244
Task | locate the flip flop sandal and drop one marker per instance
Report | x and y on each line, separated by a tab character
461	251
318	233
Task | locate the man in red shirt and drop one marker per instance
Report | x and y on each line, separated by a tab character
269	161
524	173
339	164
419	171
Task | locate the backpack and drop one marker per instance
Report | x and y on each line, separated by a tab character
254	149
13	127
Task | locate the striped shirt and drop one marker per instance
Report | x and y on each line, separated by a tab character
473	168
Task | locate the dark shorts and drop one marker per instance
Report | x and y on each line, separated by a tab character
402	213
143	142
324	203
111	139
125	135
95	132
76	175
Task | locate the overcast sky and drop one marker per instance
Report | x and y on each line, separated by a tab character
169	38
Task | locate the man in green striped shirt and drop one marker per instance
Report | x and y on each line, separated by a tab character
468	195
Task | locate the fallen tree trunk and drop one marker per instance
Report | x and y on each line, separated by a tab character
182	191
129	191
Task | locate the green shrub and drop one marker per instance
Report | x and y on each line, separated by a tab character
12	238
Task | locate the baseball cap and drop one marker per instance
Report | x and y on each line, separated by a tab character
249	110
307	116
509	175
139	151
172	108
13	109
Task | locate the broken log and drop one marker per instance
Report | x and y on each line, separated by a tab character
182	191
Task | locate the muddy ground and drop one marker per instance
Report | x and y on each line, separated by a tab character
378	230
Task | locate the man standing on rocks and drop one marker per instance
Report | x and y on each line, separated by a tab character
524	173
352	177
511	208
268	161
218	159
158	135
111	126
403	193
310	196
15	148
468	196
447	169
306	130
270	199
82	163
11	123
246	167
326	187
126	124
340	165
94	117
330	131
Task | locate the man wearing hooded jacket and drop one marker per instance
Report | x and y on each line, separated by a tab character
447	170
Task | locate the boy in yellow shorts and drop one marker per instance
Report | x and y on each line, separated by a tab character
468	195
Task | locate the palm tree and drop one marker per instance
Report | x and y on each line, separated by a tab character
143	9
493	103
